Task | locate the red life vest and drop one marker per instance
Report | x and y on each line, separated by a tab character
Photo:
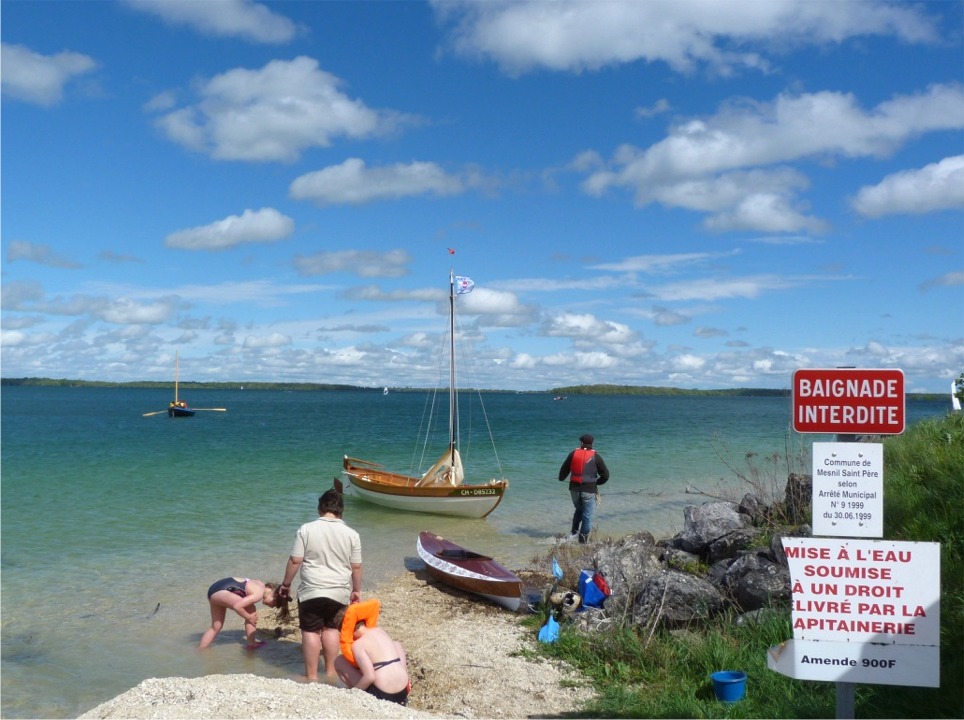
580	458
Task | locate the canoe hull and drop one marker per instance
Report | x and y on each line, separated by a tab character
468	571
401	492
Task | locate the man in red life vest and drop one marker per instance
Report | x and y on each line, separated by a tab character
585	470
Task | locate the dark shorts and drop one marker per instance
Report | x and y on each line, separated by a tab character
319	613
400	697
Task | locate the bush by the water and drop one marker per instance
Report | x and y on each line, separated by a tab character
665	672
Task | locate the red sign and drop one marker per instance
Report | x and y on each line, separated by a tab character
848	401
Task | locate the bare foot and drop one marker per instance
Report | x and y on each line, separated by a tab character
256	644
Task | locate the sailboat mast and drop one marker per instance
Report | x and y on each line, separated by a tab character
177	372
453	407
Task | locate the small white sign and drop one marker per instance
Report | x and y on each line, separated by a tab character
848	489
869	663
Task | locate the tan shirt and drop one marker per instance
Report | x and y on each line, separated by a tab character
329	548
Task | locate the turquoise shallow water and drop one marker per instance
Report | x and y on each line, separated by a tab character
114	525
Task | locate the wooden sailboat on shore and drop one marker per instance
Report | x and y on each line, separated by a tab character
442	488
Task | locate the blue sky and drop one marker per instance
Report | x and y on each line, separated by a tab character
680	193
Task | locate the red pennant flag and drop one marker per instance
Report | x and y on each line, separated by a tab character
451	251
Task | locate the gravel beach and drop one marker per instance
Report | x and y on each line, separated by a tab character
465	658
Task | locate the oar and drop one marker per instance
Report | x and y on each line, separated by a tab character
214	409
158	412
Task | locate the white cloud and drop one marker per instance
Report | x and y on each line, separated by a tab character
353	182
574	35
262	342
658	108
938	186
496	308
713	289
665	317
39	79
264	225
950	279
125	311
224	18
363	263
272	114
662	264
586	330
765	212
41	254
718	164
688	362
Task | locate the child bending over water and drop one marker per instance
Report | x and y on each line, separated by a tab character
241	595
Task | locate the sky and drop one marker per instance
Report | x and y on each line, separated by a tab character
674	193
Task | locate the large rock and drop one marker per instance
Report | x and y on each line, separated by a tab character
627	563
755	581
675	599
731	544
707	523
798	498
776	544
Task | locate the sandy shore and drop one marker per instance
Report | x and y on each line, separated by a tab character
465	658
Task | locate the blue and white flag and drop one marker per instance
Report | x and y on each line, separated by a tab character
463	285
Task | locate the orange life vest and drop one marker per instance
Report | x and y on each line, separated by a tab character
581	458
366	611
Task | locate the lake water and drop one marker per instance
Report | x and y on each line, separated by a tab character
114	524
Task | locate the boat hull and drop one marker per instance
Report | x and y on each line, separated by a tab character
469	571
401	492
180	412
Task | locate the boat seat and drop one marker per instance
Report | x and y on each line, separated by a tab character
462	555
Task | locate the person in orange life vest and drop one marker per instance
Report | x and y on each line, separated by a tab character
378	664
586	470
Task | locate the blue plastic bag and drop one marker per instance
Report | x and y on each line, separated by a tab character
550	631
592	595
556	570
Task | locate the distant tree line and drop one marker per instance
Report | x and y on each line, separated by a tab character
599	389
654	390
184	385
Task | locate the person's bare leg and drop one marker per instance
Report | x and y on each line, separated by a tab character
311	648
217	622
330	646
349	674
249	632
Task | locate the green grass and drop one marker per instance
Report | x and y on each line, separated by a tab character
665	674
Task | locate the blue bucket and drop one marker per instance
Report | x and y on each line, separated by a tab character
729	685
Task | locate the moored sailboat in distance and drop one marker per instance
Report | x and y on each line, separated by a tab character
178	407
442	488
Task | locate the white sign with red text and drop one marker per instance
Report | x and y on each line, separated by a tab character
848	401
864	591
